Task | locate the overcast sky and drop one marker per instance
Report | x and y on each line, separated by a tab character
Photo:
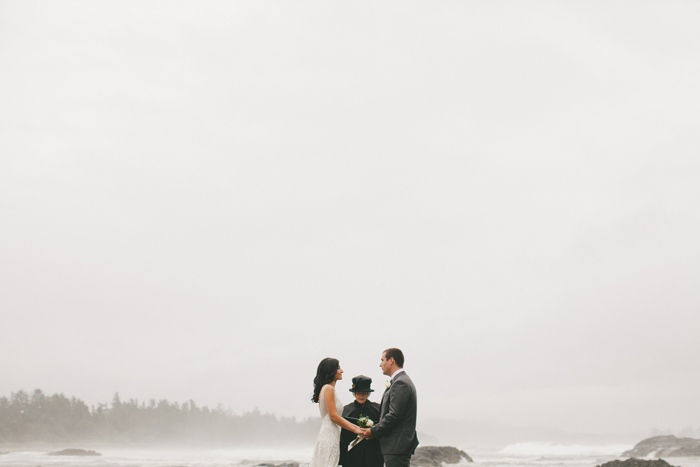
201	200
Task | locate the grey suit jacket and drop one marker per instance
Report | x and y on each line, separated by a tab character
396	429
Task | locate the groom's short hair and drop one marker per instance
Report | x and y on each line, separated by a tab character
396	354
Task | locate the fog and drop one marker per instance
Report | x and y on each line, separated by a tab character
202	201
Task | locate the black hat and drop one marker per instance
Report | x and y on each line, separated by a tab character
361	384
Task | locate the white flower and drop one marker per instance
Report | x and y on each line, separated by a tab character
388	384
370	424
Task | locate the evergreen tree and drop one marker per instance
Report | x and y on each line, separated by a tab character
57	418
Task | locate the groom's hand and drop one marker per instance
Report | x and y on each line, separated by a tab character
367	433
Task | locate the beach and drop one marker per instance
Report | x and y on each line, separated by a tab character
516	455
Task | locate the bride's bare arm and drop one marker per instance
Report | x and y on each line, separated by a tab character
329	396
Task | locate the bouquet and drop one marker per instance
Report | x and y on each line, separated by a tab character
362	422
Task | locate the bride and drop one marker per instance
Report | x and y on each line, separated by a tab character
327	450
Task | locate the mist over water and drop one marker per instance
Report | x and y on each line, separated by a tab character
162	457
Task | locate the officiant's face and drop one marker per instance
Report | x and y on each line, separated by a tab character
361	397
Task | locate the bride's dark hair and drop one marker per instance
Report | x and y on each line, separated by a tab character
325	374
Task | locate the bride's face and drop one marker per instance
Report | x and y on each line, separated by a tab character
339	373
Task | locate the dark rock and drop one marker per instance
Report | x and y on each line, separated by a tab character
436	456
665	446
74	452
636	463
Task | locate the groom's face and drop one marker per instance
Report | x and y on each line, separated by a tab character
386	364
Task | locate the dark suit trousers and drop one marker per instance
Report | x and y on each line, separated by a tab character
397	460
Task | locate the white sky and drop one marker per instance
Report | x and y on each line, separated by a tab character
201	200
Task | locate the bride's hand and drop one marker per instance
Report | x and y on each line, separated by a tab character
358	431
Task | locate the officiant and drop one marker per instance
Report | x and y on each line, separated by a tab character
367	453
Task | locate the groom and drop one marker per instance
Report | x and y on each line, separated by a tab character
396	429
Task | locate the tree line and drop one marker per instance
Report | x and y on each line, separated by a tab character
38	417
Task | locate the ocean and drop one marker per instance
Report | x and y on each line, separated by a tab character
516	455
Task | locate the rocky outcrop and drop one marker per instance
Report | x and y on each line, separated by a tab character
74	452
636	463
437	456
665	446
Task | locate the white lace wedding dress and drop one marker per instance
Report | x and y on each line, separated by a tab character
327	450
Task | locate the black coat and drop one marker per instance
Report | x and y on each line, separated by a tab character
367	453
